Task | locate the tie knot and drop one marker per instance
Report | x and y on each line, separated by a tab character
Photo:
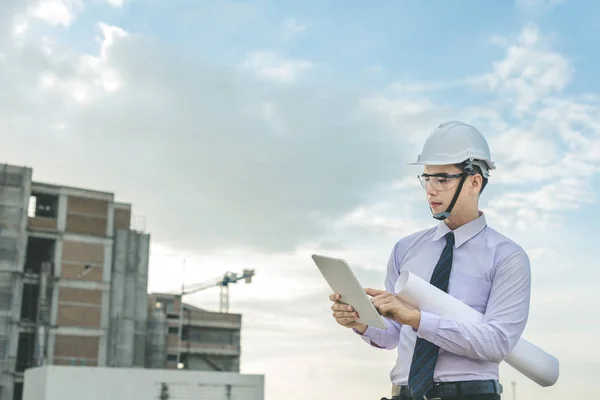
450	238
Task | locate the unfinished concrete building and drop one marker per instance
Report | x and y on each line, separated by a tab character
209	341
73	279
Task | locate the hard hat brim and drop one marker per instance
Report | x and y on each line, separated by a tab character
433	163
489	165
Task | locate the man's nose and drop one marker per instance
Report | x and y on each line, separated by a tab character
429	189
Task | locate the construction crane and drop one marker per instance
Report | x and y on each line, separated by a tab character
223	282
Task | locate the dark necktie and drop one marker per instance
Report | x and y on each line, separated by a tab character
420	378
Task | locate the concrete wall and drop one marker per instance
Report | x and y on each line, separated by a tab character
87	216
75	383
156	339
129	299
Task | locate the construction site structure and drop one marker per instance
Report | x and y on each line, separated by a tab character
73	279
196	339
74	290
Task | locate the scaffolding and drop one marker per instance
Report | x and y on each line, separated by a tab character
43	313
7	363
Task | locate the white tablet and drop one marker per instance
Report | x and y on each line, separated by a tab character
342	280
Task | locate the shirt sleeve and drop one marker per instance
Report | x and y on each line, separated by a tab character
382	338
386	338
504	321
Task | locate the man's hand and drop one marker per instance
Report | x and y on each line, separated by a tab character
390	306
345	314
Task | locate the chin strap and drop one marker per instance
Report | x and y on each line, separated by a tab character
445	214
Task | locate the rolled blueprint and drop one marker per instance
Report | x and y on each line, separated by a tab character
530	360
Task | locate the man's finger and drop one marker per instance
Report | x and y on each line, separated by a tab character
334	296
384	295
341	307
345	314
384	309
374	292
378	302
383	305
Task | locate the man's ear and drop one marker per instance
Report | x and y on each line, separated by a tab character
476	183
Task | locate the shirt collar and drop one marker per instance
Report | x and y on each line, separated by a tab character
462	233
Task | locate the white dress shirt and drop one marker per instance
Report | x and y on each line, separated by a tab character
490	273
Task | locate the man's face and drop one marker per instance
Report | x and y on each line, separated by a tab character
440	190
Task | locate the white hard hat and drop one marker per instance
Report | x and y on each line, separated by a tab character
455	142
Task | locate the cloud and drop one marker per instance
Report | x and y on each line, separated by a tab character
408	116
432	86
56	12
383	219
538	136
270	66
543	208
11	14
214	158
528	72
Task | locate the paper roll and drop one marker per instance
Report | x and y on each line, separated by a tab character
530	360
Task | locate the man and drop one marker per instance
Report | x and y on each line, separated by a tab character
439	357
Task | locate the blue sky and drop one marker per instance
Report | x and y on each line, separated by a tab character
354	43
275	130
411	40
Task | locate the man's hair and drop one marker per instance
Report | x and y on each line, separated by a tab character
478	171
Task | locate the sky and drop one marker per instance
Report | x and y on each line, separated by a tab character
252	134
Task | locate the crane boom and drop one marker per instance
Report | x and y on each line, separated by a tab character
223	281
196	287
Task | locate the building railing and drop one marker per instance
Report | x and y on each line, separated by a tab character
206	348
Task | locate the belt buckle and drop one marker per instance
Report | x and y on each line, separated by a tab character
425	397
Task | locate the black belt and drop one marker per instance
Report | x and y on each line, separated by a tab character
447	390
